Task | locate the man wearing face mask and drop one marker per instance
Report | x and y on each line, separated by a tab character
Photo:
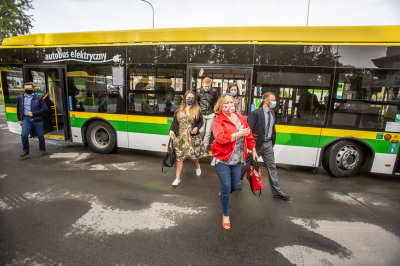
262	123
207	97
30	111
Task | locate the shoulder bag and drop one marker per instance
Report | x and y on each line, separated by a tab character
169	159
254	177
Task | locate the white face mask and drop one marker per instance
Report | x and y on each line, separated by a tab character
272	105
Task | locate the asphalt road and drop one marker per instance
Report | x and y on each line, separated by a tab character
76	207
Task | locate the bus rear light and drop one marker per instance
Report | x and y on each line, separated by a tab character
164	144
388	165
75	136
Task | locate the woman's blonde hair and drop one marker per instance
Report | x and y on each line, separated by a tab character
221	102
195	108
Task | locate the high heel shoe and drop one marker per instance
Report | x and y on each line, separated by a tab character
226	226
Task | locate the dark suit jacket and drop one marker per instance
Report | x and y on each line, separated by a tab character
256	121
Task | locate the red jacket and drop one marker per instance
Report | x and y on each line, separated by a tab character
223	128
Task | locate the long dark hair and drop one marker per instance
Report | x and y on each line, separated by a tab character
195	106
234	85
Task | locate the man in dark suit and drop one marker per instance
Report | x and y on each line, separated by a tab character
262	124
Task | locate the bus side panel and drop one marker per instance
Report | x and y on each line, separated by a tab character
297	145
380	160
296	155
148	132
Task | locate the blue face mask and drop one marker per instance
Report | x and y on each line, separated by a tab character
272	105
233	93
190	101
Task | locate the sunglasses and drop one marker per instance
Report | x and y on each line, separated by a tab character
233	85
226	94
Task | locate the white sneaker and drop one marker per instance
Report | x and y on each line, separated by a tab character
198	171
176	182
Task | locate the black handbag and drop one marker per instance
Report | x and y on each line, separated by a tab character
170	157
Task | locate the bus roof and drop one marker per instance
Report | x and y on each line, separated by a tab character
292	34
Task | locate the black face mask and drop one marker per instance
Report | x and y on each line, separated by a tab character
28	92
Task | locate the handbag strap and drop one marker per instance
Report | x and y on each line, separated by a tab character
162	169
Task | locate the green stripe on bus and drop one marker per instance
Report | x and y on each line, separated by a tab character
379	146
12	117
118	125
136	127
290	139
148	128
301	140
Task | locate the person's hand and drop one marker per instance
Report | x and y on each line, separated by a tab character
254	153
30	114
243	131
171	134
194	131
20	123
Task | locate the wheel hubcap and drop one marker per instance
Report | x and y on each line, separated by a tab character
100	137
347	158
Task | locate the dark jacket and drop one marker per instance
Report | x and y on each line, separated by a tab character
207	100
38	107
256	121
196	123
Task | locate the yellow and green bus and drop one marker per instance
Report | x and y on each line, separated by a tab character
337	87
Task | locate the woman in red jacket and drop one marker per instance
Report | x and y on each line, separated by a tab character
232	139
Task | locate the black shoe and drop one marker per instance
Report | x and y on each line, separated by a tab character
281	196
24	154
42	153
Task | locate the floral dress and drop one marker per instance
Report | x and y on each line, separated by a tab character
188	146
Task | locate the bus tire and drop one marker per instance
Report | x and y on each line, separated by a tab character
101	137
345	158
325	159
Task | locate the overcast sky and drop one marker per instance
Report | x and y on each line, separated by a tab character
99	15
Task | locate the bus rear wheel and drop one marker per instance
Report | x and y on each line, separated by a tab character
343	159
101	137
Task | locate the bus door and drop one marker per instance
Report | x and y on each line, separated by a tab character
49	83
221	77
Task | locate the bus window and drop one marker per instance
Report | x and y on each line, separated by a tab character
156	91
366	98
94	89
302	95
11	78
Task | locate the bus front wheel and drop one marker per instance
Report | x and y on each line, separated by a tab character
100	137
343	159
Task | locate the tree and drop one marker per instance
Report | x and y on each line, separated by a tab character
13	18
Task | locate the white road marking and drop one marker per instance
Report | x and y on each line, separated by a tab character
83	156
366	199
65	155
343	198
124	166
3	176
97	167
364	244
4	206
103	220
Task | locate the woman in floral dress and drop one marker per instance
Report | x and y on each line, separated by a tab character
185	133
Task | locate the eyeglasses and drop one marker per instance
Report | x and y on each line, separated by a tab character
226	94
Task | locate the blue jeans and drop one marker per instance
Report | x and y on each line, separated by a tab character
27	123
229	177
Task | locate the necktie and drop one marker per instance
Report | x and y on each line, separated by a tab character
269	123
